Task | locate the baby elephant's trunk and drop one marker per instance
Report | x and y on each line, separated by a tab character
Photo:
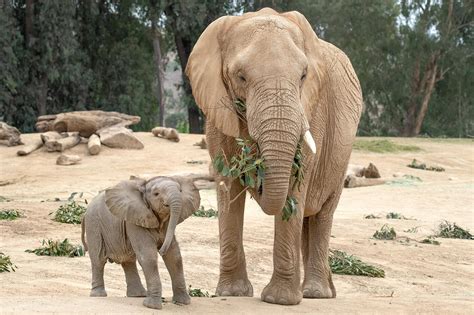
175	212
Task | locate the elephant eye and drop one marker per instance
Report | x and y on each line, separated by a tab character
303	76
242	78
156	194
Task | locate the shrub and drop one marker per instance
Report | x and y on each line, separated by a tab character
197	292
10	214
6	264
203	213
452	230
70	212
385	233
58	248
345	264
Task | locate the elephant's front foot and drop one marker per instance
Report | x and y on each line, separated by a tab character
181	297
136	291
153	302
282	292
319	289
98	292
228	286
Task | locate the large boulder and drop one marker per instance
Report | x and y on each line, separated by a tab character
119	137
11	134
84	122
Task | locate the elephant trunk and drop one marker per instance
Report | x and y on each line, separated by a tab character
276	121
175	204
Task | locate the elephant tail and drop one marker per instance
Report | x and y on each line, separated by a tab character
83	232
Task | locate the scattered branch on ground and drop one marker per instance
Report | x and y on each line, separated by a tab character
58	248
196	292
430	240
4	199
383	146
345	264
422	166
205	213
371	216
396	215
6	265
10	214
412	230
385	233
452	230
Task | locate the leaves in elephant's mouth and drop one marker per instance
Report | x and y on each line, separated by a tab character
247	165
289	209
297	168
240	107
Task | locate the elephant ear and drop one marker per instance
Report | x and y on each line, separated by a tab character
313	51
204	69
190	196
125	200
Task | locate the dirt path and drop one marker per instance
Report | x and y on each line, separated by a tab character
420	278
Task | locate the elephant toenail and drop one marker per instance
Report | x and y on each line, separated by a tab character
270	299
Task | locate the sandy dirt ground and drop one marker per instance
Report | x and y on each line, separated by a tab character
420	278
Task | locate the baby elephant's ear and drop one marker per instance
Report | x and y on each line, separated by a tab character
125	200
190	196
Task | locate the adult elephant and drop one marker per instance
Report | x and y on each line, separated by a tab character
291	82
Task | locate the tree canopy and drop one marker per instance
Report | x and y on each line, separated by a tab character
414	58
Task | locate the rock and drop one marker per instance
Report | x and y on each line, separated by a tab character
66	159
84	122
119	137
166	133
11	134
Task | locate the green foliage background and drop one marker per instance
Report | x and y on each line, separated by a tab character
82	55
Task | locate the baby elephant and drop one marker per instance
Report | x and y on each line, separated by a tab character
132	220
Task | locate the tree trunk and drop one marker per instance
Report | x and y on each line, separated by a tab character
158	61
183	48
29	12
42	95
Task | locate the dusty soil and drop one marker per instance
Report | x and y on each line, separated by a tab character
420	278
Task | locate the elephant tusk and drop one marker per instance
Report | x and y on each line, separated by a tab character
308	138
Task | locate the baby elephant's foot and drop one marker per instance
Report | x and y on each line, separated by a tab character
136	291
153	302
181	297
98	292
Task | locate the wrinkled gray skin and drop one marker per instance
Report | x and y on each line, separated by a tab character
132	220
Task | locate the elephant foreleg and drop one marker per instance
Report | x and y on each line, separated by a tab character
233	279
174	264
315	247
134	284
284	287
145	248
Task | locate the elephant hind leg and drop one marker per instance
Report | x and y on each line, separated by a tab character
98	287
134	284
315	236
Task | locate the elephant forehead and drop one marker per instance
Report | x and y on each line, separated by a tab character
162	184
262	26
